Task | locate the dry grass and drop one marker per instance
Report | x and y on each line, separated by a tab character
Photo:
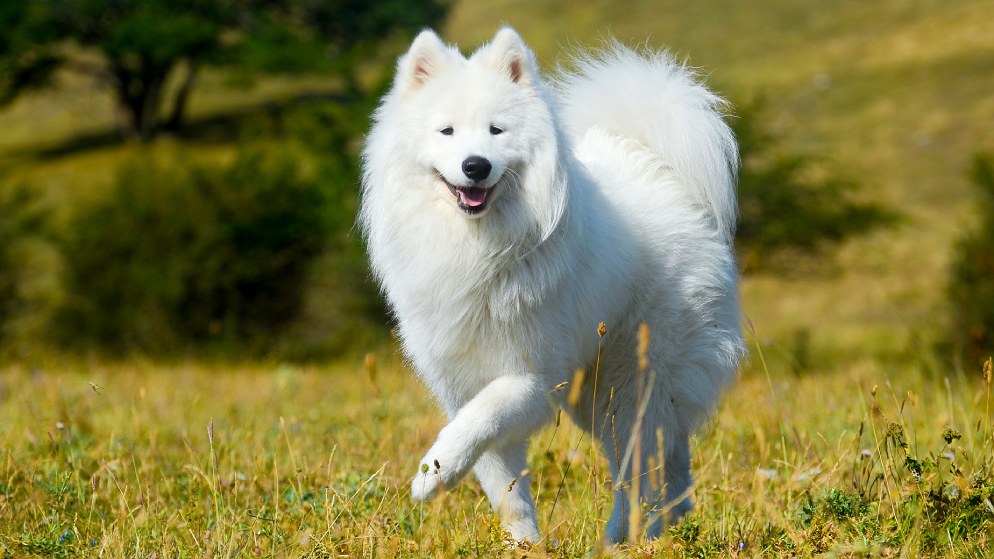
137	460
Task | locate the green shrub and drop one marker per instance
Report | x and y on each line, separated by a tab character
792	203
343	310
21	218
175	257
971	286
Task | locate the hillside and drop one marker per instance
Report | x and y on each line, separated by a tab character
897	95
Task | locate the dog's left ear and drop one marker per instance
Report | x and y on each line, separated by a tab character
508	53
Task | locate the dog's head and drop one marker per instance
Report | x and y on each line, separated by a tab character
476	122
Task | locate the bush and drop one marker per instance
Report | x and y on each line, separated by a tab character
343	310
177	257
971	286
792	203
22	220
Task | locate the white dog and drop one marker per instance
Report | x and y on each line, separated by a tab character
506	219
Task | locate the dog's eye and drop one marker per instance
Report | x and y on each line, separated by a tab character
447	131
494	130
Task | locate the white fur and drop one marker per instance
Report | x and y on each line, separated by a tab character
613	201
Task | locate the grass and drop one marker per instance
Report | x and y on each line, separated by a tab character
142	460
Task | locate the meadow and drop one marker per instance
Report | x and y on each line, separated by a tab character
145	460
850	433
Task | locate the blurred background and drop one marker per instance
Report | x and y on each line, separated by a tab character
179	178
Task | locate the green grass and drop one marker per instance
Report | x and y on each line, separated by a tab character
143	460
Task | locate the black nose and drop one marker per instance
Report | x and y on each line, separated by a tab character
476	167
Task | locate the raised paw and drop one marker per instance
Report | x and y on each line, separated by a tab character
427	484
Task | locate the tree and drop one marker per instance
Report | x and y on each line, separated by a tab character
143	42
971	282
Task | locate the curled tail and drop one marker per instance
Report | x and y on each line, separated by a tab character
651	98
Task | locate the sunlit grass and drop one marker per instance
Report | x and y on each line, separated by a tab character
281	461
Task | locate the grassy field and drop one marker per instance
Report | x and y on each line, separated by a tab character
846	435
142	460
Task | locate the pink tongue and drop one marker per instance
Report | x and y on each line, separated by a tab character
473	197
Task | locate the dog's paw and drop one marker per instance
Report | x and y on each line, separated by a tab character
676	511
427	484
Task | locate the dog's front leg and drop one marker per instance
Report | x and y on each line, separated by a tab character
503	473
509	408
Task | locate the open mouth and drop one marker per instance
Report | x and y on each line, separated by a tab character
470	199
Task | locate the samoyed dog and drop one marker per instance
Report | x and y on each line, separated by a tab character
508	216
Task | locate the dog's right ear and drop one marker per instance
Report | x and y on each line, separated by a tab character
427	56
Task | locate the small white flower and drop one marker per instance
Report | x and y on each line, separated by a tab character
768	473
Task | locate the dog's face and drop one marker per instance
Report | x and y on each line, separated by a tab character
471	118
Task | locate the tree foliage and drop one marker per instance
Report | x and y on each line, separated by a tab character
22	216
971	287
176	256
791	202
144	42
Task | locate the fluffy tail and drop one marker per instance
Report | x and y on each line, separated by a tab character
660	103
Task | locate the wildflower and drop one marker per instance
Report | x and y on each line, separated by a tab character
949	435
767	473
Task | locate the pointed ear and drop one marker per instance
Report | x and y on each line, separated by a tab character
427	57
508	53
